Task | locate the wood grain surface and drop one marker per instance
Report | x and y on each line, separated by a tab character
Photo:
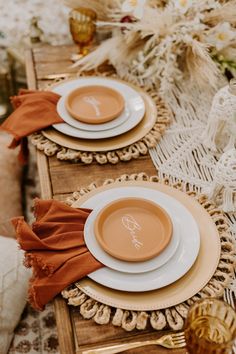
58	180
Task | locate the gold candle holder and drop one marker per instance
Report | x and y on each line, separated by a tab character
210	327
82	27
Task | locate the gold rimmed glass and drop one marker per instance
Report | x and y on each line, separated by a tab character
210	327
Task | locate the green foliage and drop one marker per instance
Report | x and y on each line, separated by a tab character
225	64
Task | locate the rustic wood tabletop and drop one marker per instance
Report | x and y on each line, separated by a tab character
59	179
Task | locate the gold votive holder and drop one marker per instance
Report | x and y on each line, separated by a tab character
210	327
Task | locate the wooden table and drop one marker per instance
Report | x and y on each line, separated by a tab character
58	180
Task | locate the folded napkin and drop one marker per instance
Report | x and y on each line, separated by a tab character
34	110
55	249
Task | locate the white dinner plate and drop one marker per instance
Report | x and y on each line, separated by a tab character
175	268
65	115
133	101
123	266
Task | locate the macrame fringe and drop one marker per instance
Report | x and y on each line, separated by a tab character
181	153
173	317
187	152
220	131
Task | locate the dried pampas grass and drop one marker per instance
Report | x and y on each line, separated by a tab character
166	45
156	23
120	56
98	56
225	13
200	66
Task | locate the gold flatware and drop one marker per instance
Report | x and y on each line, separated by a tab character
170	341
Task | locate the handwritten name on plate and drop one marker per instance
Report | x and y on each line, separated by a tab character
93	102
133	227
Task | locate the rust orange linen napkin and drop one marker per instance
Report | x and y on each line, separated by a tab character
34	110
55	249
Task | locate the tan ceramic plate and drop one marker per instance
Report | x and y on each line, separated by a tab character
187	286
113	143
133	229
94	104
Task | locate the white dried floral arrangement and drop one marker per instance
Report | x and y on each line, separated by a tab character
17	30
16	17
161	42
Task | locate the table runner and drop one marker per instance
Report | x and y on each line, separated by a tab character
133	151
173	317
181	155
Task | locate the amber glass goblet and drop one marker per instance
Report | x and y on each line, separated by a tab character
210	327
82	27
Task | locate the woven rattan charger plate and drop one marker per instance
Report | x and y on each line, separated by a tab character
181	290
208	277
124	147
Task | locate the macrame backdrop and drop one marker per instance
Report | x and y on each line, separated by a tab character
181	155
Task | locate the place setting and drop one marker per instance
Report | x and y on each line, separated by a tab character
91	118
155	238
100	115
160	248
97	108
118	174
